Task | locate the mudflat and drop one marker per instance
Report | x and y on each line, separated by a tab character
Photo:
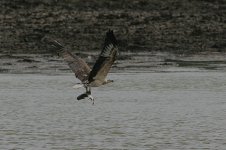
178	26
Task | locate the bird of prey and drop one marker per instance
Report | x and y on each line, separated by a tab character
90	77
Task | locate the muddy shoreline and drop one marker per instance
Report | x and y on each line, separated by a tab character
175	26
126	62
156	35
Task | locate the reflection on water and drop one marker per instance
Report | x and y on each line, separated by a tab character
162	111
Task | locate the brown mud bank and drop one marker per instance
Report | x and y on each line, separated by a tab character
126	62
177	26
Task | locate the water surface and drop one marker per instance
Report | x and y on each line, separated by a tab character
157	110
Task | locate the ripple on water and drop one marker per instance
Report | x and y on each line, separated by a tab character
179	110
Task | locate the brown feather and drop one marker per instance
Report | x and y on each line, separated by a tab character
105	67
77	65
105	61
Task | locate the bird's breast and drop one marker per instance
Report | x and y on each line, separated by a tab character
96	83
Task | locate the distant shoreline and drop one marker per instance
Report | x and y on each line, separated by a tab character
175	26
127	61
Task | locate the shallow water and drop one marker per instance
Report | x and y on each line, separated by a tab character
158	111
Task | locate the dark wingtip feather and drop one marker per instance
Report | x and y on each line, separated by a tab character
110	38
52	42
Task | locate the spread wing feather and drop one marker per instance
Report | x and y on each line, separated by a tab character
76	64
106	58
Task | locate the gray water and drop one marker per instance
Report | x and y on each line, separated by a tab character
156	111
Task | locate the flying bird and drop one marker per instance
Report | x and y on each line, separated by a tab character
96	76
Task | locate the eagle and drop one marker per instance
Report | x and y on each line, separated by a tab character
96	76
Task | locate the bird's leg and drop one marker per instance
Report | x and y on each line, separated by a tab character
87	89
89	94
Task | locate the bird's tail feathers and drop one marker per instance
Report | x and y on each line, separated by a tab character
78	85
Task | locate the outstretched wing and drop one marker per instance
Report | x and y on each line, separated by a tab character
76	64
106	58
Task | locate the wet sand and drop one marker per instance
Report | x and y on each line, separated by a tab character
132	62
158	35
